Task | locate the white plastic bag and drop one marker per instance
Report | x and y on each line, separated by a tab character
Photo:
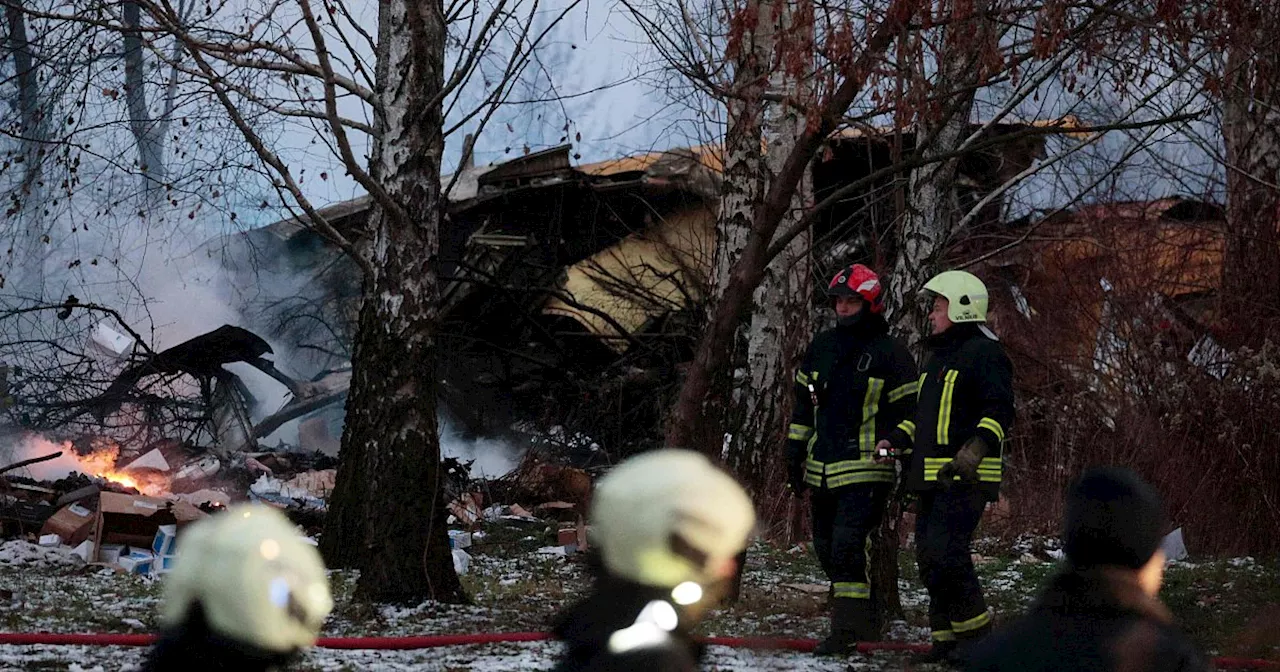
461	561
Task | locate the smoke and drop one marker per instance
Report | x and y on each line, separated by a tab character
18	447
493	457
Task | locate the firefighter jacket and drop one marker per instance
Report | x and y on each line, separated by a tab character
611	630
965	389
855	385
192	646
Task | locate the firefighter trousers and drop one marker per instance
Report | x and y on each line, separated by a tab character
843	522
945	523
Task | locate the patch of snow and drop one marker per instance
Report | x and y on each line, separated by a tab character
901	631
19	553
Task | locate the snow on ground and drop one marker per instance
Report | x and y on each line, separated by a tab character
486	658
515	589
19	553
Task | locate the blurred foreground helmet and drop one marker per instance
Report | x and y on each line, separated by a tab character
966	295
256	579
667	517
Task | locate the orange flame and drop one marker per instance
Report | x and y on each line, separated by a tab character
123	479
101	462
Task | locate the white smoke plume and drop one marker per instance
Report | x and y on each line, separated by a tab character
493	457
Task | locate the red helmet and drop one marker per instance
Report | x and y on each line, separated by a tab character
858	280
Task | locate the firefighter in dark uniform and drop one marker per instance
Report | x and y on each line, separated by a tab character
953	453
248	593
855	385
668	525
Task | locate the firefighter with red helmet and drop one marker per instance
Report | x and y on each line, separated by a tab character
856	384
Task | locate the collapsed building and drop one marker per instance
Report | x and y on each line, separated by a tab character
571	294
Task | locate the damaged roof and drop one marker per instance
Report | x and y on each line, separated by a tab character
696	168
617	286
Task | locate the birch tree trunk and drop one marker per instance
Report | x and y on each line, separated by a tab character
1250	287
928	224
692	423
770	341
28	94
387	516
145	132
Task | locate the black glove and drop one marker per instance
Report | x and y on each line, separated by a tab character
964	466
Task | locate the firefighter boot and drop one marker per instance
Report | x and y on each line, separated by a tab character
852	621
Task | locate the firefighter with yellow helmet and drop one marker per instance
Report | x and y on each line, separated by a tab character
953	454
667	526
246	593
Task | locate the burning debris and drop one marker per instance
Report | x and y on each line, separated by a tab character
174	434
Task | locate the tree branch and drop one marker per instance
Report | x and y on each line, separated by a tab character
267	156
335	123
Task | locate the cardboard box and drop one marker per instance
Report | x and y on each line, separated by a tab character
163	564
152	460
109	553
164	540
73	523
573	534
135	519
109	341
136	564
466	508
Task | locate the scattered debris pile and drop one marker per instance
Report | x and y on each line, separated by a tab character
126	509
538	496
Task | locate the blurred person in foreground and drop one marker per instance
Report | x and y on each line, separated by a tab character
668	525
247	593
1101	613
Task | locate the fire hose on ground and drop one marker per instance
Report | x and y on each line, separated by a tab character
431	641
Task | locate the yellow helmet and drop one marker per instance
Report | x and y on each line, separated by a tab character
255	578
966	295
669	516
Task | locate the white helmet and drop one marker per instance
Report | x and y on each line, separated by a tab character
255	578
669	516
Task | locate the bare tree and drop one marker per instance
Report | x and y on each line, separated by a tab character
849	71
923	66
386	516
27	100
145	131
771	63
933	209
